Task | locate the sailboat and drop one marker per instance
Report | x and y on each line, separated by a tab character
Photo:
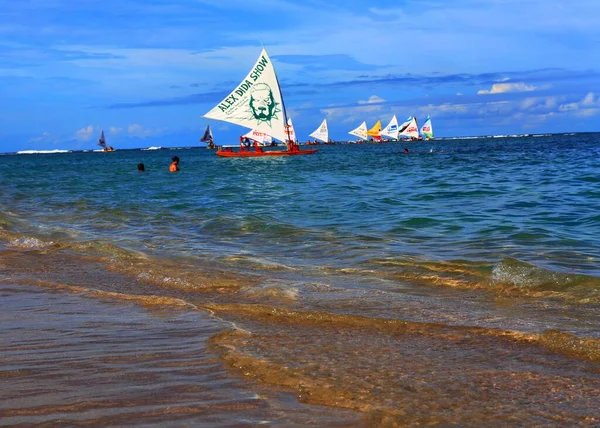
410	129
427	129
102	143
375	131
360	131
391	130
208	138
321	133
257	103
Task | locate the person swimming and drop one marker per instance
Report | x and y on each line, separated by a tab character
141	167
174	167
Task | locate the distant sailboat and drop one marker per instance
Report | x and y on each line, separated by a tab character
208	138
410	130
102	143
391	130
321	133
375	131
360	132
257	103
427	129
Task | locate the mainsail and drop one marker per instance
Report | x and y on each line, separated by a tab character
404	125
207	137
102	140
289	130
391	130
260	137
427	129
411	130
375	131
256	102
321	133
360	132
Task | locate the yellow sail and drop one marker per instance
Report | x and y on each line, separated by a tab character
375	131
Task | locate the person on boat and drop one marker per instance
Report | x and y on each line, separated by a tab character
141	167
174	167
257	147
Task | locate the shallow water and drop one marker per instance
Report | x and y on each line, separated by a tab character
458	284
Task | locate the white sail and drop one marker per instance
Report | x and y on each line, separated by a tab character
256	102
427	129
321	133
290	131
260	137
360	132
411	130
391	130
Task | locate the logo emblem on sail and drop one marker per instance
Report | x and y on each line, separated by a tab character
262	104
256	102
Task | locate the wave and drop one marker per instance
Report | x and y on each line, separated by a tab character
154	148
45	152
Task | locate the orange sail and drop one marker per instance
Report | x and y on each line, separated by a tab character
375	131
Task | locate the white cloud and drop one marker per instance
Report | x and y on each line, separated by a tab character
136	130
84	134
501	88
373	99
114	130
41	138
587	107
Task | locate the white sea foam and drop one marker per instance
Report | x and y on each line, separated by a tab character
30	243
35	152
154	148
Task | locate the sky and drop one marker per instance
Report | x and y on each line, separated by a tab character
146	71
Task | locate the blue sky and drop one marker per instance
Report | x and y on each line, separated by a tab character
146	71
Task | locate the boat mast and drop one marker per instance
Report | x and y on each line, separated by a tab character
285	118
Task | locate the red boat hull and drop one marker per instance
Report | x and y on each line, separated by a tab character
233	154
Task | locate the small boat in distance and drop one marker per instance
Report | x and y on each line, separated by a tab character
427	129
321	133
410	129
208	138
102	143
360	131
257	103
391	130
375	131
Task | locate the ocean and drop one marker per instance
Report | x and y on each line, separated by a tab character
456	285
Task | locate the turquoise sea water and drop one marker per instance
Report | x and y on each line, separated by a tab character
497	234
